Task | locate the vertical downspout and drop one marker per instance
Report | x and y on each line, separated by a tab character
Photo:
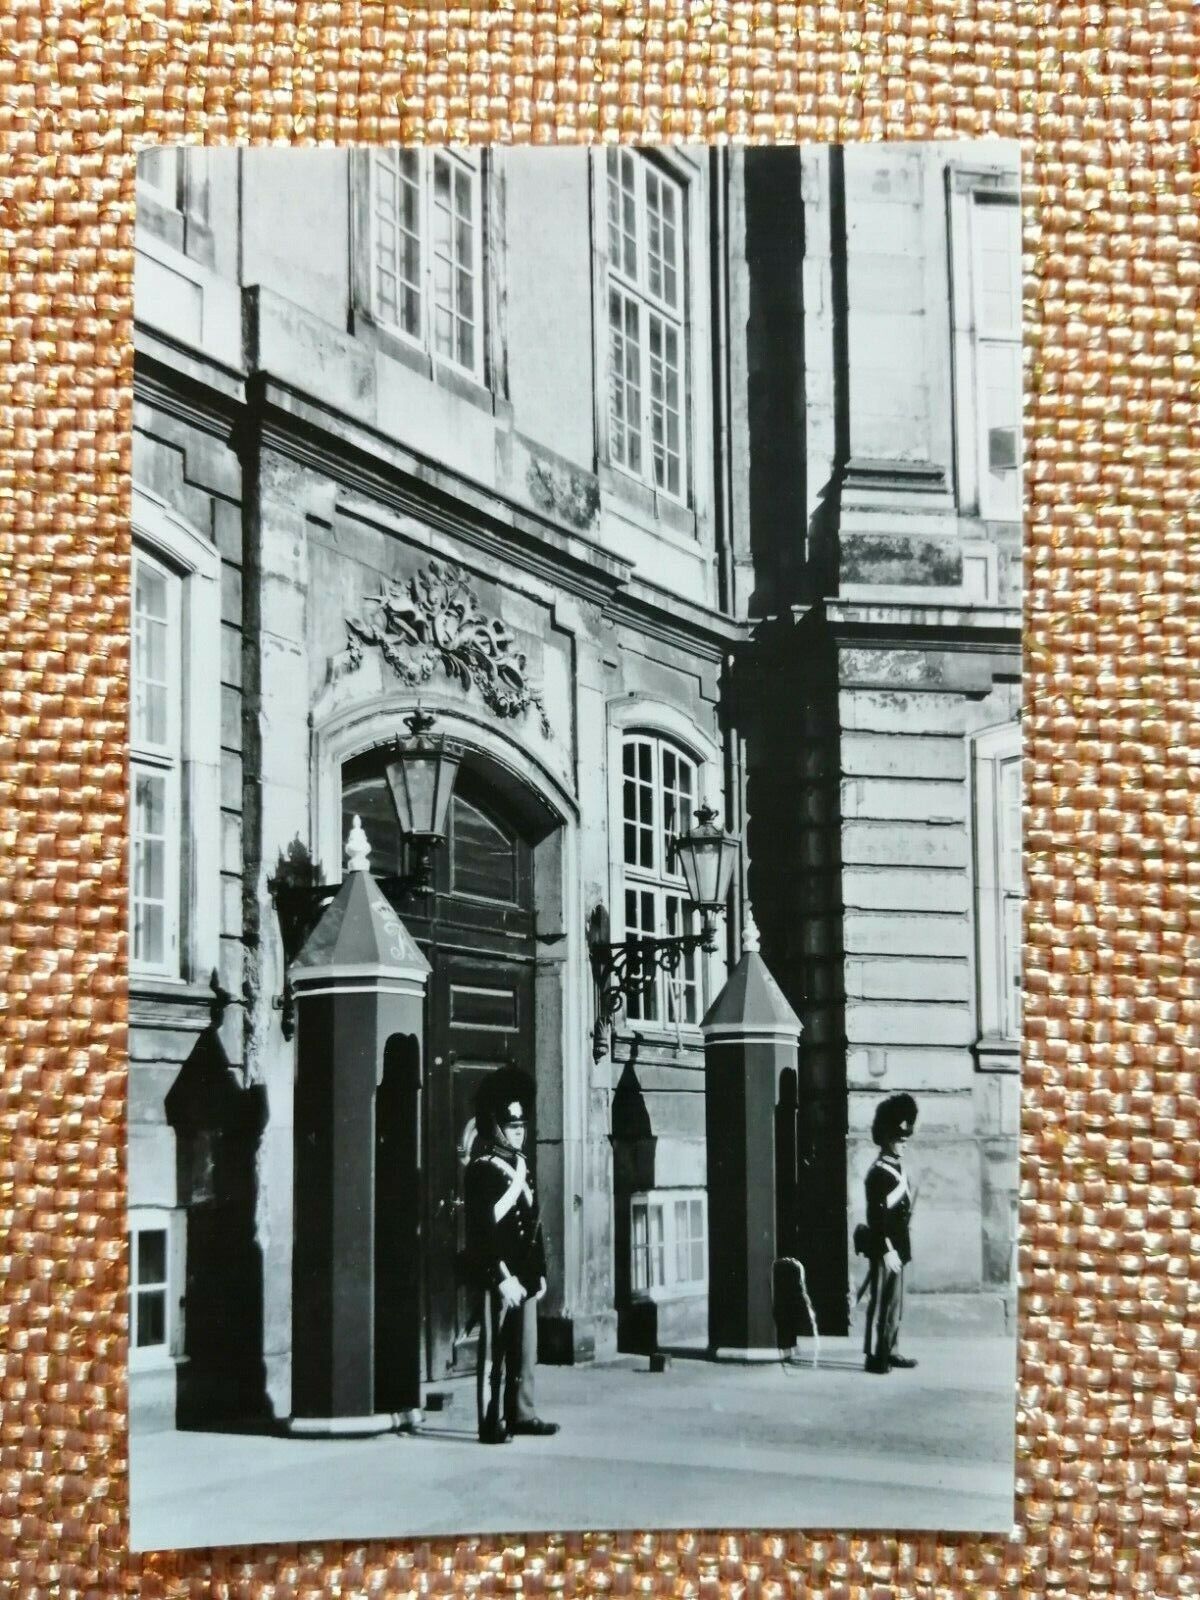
733	753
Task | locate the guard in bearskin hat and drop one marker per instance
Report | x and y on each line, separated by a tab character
887	1243
505	1259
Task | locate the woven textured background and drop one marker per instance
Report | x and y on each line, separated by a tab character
1102	97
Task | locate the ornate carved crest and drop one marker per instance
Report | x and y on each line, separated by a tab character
433	620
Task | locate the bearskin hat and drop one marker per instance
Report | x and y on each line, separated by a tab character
896	1114
498	1091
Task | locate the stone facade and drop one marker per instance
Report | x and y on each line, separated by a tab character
816	621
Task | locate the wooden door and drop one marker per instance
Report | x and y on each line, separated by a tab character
476	929
482	1019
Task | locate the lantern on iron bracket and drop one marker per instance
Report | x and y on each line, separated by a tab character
421	773
706	856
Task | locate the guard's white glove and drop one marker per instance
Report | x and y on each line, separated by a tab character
512	1292
541	1290
891	1259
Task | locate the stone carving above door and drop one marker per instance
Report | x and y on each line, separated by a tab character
433	620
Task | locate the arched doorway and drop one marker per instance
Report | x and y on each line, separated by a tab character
477	930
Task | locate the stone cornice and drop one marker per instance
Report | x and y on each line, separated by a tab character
381	481
184	384
391	483
948	627
395	484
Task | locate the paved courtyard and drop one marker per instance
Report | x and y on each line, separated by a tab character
775	1446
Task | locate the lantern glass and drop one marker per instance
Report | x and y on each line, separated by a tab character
706	859
421	777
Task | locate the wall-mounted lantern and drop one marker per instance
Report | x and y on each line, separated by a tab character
706	855
421	774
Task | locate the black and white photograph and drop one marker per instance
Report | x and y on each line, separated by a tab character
575	885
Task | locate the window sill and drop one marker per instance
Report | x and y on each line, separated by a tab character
157	1002
669	1295
996	1054
658	513
419	360
661	1044
159	1362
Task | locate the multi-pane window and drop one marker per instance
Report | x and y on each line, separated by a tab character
1000	888
691	1243
426	231
647	358
659	791
154	778
648	1245
153	1277
996	303
668	1242
160	174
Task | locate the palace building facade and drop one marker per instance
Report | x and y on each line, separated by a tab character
654	477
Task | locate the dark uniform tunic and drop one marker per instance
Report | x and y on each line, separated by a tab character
504	1239
889	1208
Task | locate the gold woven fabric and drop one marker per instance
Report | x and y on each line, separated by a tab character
1102	96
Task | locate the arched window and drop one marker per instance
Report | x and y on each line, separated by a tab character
156	752
659	790
174	748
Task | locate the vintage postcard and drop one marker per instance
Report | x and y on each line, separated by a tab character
575	862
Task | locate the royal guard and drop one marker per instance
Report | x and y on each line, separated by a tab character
887	1242
506	1262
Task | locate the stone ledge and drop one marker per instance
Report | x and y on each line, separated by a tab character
938	1314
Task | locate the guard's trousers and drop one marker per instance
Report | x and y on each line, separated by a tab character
885	1306
507	1357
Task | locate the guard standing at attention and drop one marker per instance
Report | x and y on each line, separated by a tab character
889	1211
507	1260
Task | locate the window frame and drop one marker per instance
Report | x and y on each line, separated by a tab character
170	1221
969	189
998	950
165	541
159	759
183	221
673	1286
663	881
419	351
637	287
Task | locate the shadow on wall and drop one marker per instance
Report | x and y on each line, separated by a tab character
218	1122
634	1146
789	718
398	1189
824	563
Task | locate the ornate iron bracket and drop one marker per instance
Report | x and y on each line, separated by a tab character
299	907
627	970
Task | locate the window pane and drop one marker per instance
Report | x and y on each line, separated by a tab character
997	236
658	1250
159	171
152	664
629	251
638	1247
1000	411
625	379
1011	959
151	1257
665	416
395	226
1009	823
369	800
661	238
148	867
682	1242
151	1318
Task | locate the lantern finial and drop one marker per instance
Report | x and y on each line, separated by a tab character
358	848
750	938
